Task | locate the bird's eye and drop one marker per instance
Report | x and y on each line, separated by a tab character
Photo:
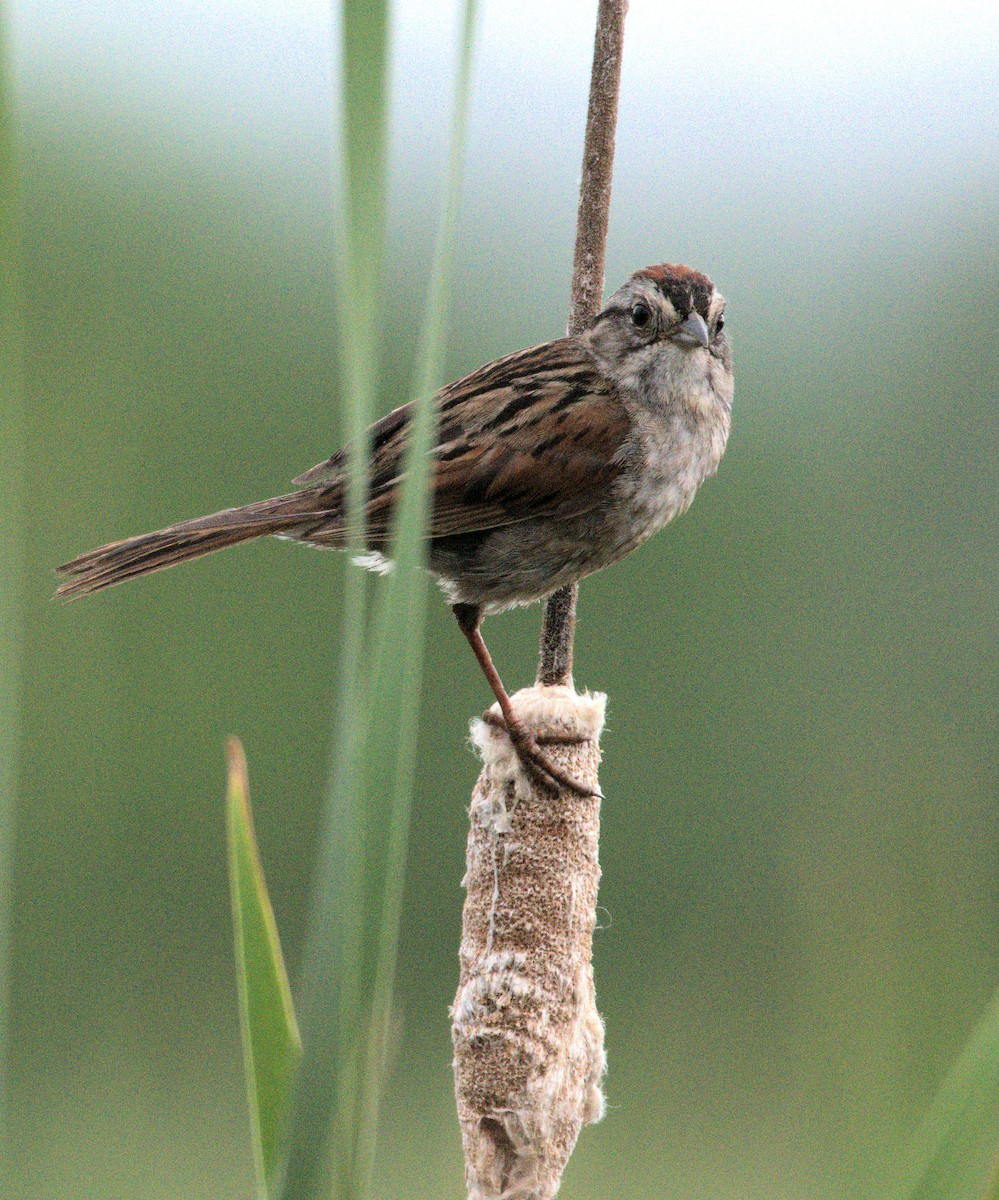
720	323
640	315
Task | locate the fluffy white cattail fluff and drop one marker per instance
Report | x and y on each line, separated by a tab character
528	1040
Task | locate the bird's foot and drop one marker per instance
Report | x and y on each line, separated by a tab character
535	761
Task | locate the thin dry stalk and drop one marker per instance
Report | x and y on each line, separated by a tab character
559	623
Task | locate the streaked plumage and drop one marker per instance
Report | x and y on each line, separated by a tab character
549	463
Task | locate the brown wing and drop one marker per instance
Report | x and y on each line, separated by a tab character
540	432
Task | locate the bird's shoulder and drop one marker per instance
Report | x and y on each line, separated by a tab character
538	433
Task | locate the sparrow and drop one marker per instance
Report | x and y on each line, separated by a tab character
549	464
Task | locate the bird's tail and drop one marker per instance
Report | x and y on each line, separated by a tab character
118	561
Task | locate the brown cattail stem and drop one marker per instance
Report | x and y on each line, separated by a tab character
559	621
558	628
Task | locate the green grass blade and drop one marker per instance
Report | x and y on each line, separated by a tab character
965	1106
398	647
12	465
271	1044
361	243
322	1140
350	952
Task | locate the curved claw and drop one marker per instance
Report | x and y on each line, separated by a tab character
535	761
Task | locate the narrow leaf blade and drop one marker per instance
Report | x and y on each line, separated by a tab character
12	524
943	1150
397	656
322	1140
271	1043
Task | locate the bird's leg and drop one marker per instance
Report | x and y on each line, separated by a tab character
469	617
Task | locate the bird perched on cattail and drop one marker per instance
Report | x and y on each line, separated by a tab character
549	464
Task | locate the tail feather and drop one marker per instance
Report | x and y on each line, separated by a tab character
107	565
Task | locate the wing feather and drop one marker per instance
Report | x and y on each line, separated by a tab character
537	433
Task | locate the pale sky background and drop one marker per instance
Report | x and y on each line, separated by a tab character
795	43
248	63
756	140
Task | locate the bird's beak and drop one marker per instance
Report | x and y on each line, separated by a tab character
693	332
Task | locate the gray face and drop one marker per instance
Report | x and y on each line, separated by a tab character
665	306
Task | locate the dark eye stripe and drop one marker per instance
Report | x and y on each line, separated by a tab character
616	310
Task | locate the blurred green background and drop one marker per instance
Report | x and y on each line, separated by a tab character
799	903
